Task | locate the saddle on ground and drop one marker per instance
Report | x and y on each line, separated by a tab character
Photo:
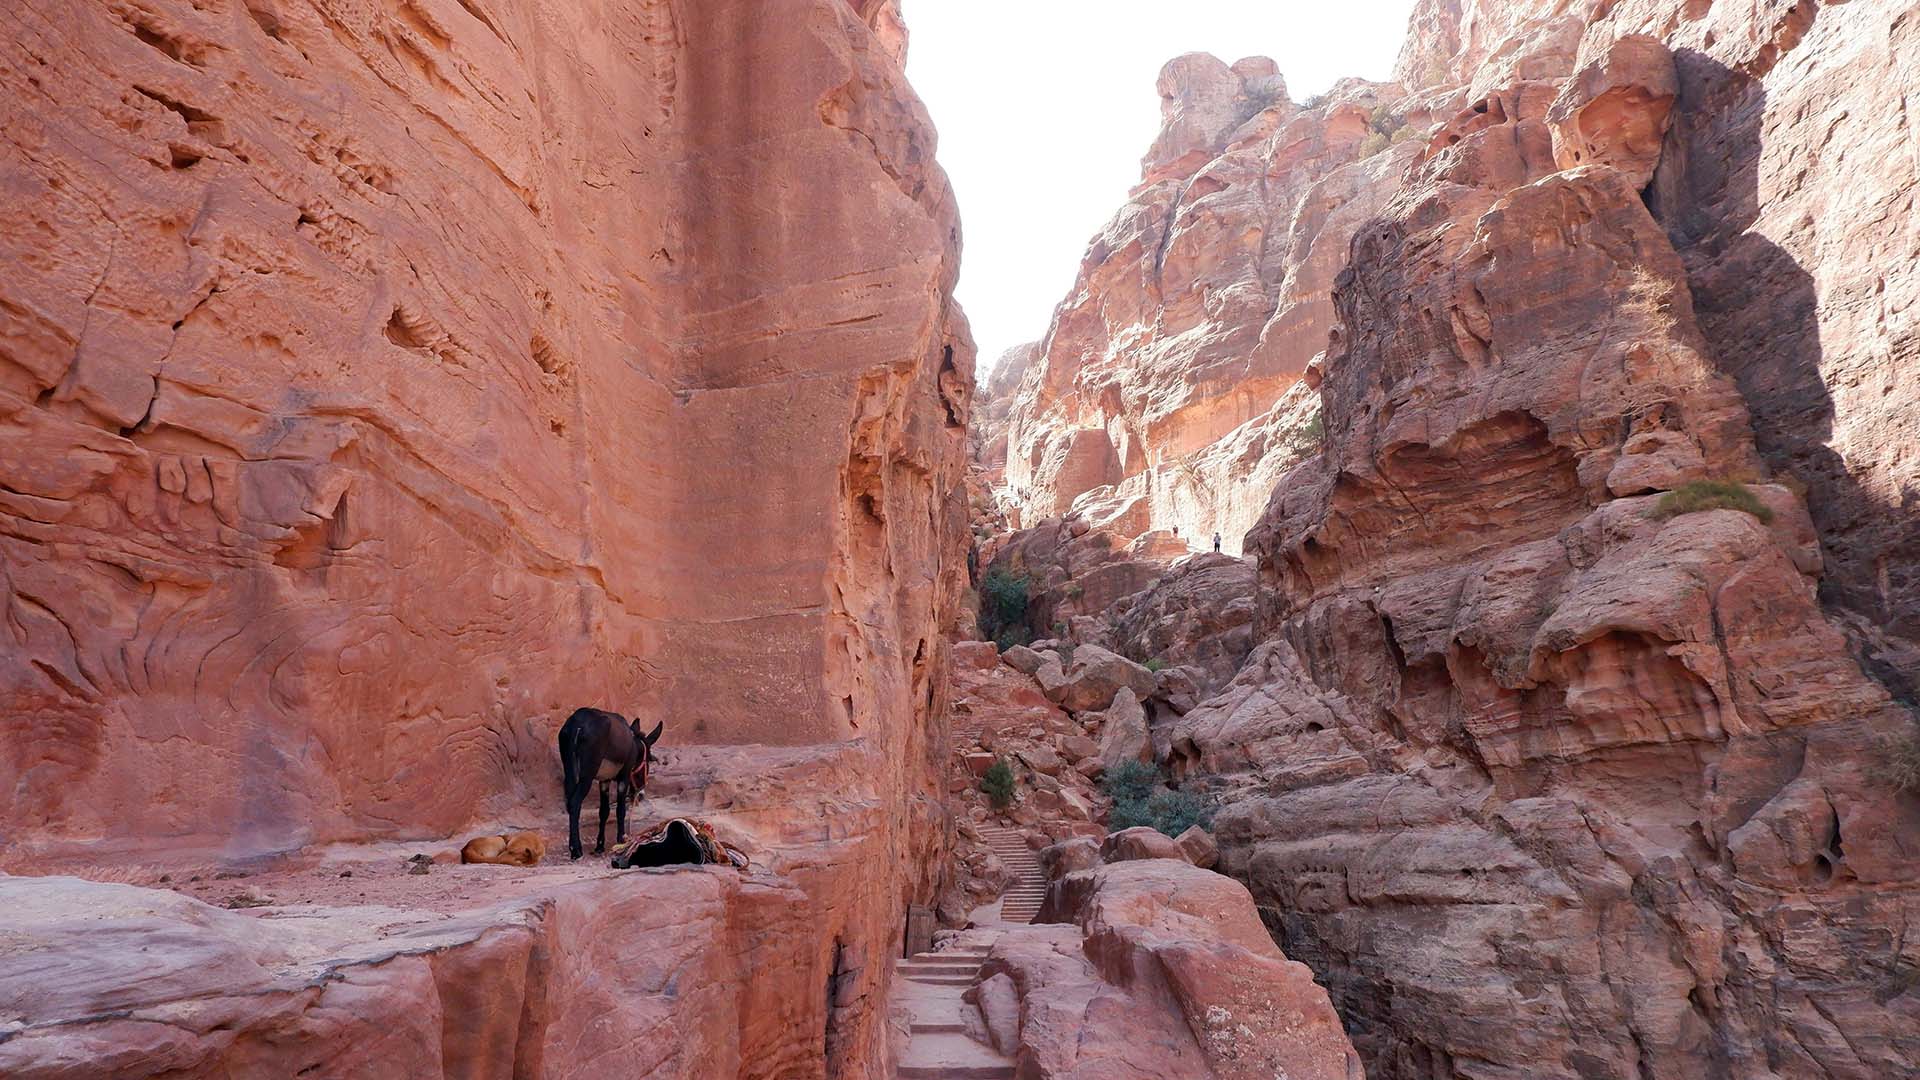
677	842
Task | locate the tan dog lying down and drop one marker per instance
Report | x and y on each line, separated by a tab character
512	849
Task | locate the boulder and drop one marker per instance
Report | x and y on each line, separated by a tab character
1094	676
1123	731
1041	758
1068	856
999	1005
978	655
1141	842
1022	659
1198	846
1159	969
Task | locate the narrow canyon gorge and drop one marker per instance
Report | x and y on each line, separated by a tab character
1439	601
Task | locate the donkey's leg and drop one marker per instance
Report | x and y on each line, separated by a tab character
600	838
576	795
621	794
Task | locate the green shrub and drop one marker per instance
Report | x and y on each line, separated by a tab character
997	784
1698	495
1174	812
1307	439
1138	799
1373	144
1130	781
1003	606
1155	665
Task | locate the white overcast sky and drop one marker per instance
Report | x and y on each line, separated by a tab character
1044	108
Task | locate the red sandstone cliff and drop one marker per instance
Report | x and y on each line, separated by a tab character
380	381
1543	781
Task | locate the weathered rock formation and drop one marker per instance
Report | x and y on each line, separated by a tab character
1167	392
380	381
1787	186
378	386
350	966
1543	779
1546	773
1150	967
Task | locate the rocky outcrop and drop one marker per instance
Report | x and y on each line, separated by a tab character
368	400
1579	642
1158	969
1546	773
1785	186
346	964
1167	393
379	382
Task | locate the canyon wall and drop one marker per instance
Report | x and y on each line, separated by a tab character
1544	772
381	381
1787	185
378	382
1167	393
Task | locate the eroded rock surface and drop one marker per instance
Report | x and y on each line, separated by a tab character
1543	781
1156	968
379	386
1167	393
379	382
1543	778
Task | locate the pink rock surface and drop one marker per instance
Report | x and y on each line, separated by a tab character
1166	393
380	386
1162	969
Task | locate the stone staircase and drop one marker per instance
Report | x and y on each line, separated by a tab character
1021	902
940	1049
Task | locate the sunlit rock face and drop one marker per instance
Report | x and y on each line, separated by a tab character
1542	781
1787	187
379	382
1163	384
379	387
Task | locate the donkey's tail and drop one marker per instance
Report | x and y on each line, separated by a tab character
570	735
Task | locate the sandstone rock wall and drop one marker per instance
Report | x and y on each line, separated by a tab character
1787	186
380	381
1543	779
553	971
1167	390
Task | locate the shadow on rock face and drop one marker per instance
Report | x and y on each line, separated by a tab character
1759	310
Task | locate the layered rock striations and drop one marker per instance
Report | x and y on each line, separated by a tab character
1565	739
1787	187
1544	778
379	382
1167	392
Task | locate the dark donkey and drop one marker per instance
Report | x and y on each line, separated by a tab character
599	745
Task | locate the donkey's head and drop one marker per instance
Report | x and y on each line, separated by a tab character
643	741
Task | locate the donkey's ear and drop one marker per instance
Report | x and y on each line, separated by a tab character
655	737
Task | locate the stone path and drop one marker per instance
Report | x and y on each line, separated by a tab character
1021	902
930	985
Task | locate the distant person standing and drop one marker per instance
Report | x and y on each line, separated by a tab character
1216	541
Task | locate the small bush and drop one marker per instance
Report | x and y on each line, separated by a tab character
1314	102
1174	812
1155	665
1698	495
1003	606
1130	781
1373	144
1307	439
997	784
1139	800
